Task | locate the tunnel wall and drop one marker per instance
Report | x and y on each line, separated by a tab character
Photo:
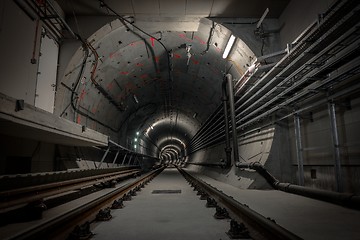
18	46
269	146
318	146
298	15
275	148
19	155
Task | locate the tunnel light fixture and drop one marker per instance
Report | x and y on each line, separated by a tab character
151	126
137	133
135	139
135	146
194	116
228	47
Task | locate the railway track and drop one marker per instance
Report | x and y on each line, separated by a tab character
76	219
71	220
245	222
35	193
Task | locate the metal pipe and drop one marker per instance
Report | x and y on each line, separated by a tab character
336	146
345	199
232	116
225	100
299	149
206	127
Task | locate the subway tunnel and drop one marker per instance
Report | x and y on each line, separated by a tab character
254	104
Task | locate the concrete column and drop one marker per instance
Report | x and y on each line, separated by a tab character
299	149
336	147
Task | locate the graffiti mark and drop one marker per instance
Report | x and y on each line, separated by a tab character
124	73
177	55
139	64
78	119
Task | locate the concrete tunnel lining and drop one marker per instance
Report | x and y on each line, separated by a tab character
134	72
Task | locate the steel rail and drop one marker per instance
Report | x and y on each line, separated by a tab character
61	226
10	198
241	213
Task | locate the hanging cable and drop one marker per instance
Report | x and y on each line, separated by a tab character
103	4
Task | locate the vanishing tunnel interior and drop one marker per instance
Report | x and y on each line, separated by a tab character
259	95
136	81
151	91
146	80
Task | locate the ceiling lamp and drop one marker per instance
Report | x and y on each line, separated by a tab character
228	46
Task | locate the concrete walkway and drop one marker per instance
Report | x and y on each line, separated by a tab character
164	216
308	218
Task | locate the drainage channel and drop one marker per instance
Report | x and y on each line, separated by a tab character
74	219
245	223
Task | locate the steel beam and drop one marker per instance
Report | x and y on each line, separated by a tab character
336	146
123	161
116	156
230	86
104	156
299	149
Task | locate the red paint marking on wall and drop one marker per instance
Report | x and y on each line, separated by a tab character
196	62
110	86
200	40
139	64
183	36
82	95
134	44
144	76
177	55
152	41
118	97
114	55
157	58
94	109
129	87
124	73
78	119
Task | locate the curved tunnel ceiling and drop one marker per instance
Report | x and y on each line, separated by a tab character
135	84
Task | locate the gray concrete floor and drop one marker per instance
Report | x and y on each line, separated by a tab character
305	217
164	216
